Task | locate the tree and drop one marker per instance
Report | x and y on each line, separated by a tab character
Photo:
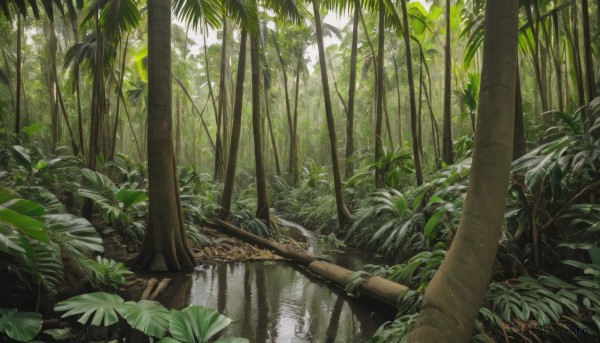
165	246
380	94
411	92
453	297
447	141
352	92
262	200
342	211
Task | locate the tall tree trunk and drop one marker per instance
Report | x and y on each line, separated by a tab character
536	57
399	101
165	246
262	199
273	144
235	131
411	92
219	151
343	213
379	172
351	94
119	90
19	77
294	133
288	111
587	51
519	142
447	139
558	62
452	299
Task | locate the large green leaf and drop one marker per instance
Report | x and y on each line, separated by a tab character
196	324
102	307
130	197
74	231
20	326
27	225
150	317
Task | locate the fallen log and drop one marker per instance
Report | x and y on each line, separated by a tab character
149	286
374	287
161	287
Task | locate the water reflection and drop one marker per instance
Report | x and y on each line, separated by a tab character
279	302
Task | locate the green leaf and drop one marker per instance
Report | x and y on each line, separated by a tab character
150	317
74	231
196	323
428	231
130	197
102	306
27	225
20	326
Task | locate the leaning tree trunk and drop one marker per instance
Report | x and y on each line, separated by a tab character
453	297
343	213
411	92
165	246
235	131
379	172
262	199
447	139
351	93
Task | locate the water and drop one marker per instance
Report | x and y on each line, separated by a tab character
279	302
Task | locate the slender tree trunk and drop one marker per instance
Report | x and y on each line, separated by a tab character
19	77
294	134
235	132
119	90
219	153
577	56
399	101
351	94
273	144
519	142
453	298
536	58
411	92
379	172
447	139
288	111
79	112
343	213
262	199
165	246
587	51
558	62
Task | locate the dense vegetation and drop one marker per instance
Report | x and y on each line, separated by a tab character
264	109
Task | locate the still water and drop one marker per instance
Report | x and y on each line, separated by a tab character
279	302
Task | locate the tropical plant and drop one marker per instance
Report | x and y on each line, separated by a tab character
192	324
20	326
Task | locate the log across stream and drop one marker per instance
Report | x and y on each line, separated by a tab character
283	301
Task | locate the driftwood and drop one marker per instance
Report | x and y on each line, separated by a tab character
374	287
161	287
149	286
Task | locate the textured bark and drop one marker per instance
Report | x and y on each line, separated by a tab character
165	246
262	199
411	92
379	172
452	299
235	132
351	94
343	213
447	139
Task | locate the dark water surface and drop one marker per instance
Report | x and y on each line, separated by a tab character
279	302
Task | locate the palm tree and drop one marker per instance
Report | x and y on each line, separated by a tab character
343	213
453	297
352	92
411	92
379	172
165	246
447	141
